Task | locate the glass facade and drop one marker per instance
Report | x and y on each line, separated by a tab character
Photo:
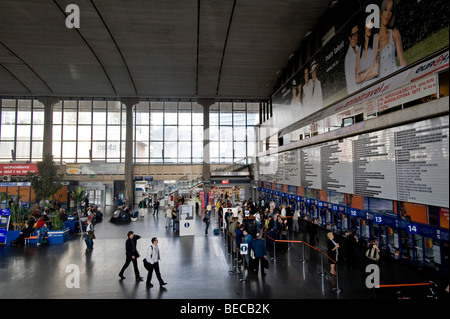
87	130
95	130
21	130
173	132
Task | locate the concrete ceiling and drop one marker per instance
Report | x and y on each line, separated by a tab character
222	49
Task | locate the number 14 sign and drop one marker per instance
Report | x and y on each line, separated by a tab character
412	228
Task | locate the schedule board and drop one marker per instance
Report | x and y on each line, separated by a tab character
281	168
407	163
288	168
337	166
310	169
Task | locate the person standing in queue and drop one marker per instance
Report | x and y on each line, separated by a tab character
151	262
259	250
333	252
131	255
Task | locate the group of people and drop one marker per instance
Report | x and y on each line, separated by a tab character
93	213
123	215
307	96
151	260
277	221
40	222
171	216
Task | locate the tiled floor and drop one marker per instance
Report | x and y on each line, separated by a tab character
195	267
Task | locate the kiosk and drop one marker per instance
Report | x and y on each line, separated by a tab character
186	218
5	215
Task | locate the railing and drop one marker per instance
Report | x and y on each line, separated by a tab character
234	250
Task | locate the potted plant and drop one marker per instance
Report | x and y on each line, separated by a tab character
45	183
78	195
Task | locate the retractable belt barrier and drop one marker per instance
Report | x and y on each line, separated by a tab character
235	249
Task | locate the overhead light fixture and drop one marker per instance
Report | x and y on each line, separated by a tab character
308	33
333	3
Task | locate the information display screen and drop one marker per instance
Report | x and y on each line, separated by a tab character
408	163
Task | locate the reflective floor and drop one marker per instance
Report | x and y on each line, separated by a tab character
195	267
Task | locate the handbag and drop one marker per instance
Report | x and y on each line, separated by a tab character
372	254
91	234
205	219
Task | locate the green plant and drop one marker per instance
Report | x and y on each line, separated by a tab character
57	223
47	181
17	216
78	195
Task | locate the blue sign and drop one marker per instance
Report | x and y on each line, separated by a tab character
428	231
354	212
378	219
5	212
443	235
3	235
412	228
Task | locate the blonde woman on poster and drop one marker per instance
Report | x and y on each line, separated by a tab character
389	39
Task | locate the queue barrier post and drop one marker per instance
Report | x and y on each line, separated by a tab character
303	260
337	280
321	262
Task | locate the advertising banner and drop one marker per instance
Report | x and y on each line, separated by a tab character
17	169
368	48
95	169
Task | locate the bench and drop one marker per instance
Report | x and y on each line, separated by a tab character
27	240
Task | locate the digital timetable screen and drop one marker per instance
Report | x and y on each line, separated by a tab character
408	163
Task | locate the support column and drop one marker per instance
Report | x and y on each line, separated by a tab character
49	102
206	103
129	153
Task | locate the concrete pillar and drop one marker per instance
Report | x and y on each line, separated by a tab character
206	103
49	102
129	178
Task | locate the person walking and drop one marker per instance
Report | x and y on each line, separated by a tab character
151	262
89	235
156	207
131	255
207	220
168	216
142	206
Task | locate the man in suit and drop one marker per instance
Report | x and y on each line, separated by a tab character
132	255
259	251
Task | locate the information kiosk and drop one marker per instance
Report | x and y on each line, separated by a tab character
5	215
186	220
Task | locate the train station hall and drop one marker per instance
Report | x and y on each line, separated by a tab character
204	158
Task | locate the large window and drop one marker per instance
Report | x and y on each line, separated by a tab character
232	131
168	132
21	130
86	130
95	130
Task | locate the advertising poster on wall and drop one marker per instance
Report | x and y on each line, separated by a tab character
372	45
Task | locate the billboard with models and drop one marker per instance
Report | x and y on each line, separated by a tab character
372	45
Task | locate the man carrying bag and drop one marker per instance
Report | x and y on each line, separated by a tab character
151	262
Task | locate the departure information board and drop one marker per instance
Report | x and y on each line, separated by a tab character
337	166
407	163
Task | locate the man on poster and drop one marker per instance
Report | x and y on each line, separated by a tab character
317	98
350	59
